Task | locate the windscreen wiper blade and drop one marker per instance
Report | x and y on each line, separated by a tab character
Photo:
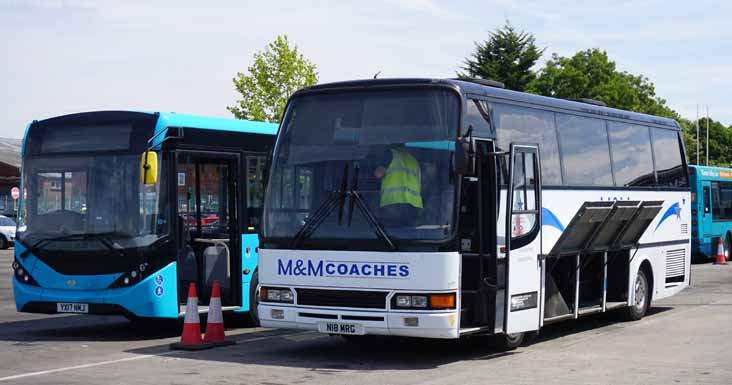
336	198
355	197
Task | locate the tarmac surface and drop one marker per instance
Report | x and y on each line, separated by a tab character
686	339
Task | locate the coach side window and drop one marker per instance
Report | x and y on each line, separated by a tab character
529	125
584	151
631	152
478	116
670	169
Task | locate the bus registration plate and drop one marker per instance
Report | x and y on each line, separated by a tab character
340	328
72	307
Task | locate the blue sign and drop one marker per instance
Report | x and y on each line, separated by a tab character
308	268
159	279
159	291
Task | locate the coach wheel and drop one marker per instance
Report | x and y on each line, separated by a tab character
3	243
509	341
727	243
254	299
641	298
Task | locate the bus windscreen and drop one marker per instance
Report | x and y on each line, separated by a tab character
393	148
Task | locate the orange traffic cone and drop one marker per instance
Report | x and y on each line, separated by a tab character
190	339
721	260
215	323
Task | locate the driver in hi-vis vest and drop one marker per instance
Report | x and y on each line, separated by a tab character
401	186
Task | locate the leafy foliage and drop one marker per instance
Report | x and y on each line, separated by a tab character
277	72
720	141
507	56
591	74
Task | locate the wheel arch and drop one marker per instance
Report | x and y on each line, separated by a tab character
646	267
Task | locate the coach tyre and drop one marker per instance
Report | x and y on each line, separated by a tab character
641	298
3	243
254	299
727	245
509	341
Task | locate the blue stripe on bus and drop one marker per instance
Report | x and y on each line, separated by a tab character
673	210
549	219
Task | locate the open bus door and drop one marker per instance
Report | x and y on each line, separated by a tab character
523	240
207	207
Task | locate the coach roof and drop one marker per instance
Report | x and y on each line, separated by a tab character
467	87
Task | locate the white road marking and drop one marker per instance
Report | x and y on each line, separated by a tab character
135	358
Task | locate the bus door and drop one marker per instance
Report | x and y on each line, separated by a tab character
523	240
706	217
208	224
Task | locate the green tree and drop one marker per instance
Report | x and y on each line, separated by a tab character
507	56
591	74
277	72
720	140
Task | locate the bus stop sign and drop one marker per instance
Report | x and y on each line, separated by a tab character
15	193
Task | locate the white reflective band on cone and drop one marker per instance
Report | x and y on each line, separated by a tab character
214	311
192	311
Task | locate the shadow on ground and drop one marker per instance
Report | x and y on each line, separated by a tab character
322	353
85	328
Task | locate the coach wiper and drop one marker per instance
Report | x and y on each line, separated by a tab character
355	197
335	199
338	199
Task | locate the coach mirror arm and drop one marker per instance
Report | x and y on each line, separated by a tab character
464	163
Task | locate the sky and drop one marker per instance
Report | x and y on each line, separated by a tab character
65	56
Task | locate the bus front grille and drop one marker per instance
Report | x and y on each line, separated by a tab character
342	298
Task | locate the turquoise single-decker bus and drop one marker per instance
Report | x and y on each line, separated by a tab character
122	210
711	214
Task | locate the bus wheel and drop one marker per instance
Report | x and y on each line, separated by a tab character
509	341
3	243
727	244
641	296
254	300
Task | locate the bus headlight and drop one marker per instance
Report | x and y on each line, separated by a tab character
276	294
424	301
407	301
23	275
135	275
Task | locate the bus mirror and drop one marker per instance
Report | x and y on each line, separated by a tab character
465	155
149	167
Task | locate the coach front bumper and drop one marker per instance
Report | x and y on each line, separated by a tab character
429	324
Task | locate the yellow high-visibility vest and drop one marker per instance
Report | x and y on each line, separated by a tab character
402	182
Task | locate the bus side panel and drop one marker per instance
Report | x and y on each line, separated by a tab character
667	239
249	261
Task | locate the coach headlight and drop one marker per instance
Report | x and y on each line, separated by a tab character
276	294
424	301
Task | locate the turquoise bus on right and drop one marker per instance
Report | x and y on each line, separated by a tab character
711	210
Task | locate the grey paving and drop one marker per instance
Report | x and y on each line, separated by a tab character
686	339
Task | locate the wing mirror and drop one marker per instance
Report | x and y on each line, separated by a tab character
149	168
464	163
